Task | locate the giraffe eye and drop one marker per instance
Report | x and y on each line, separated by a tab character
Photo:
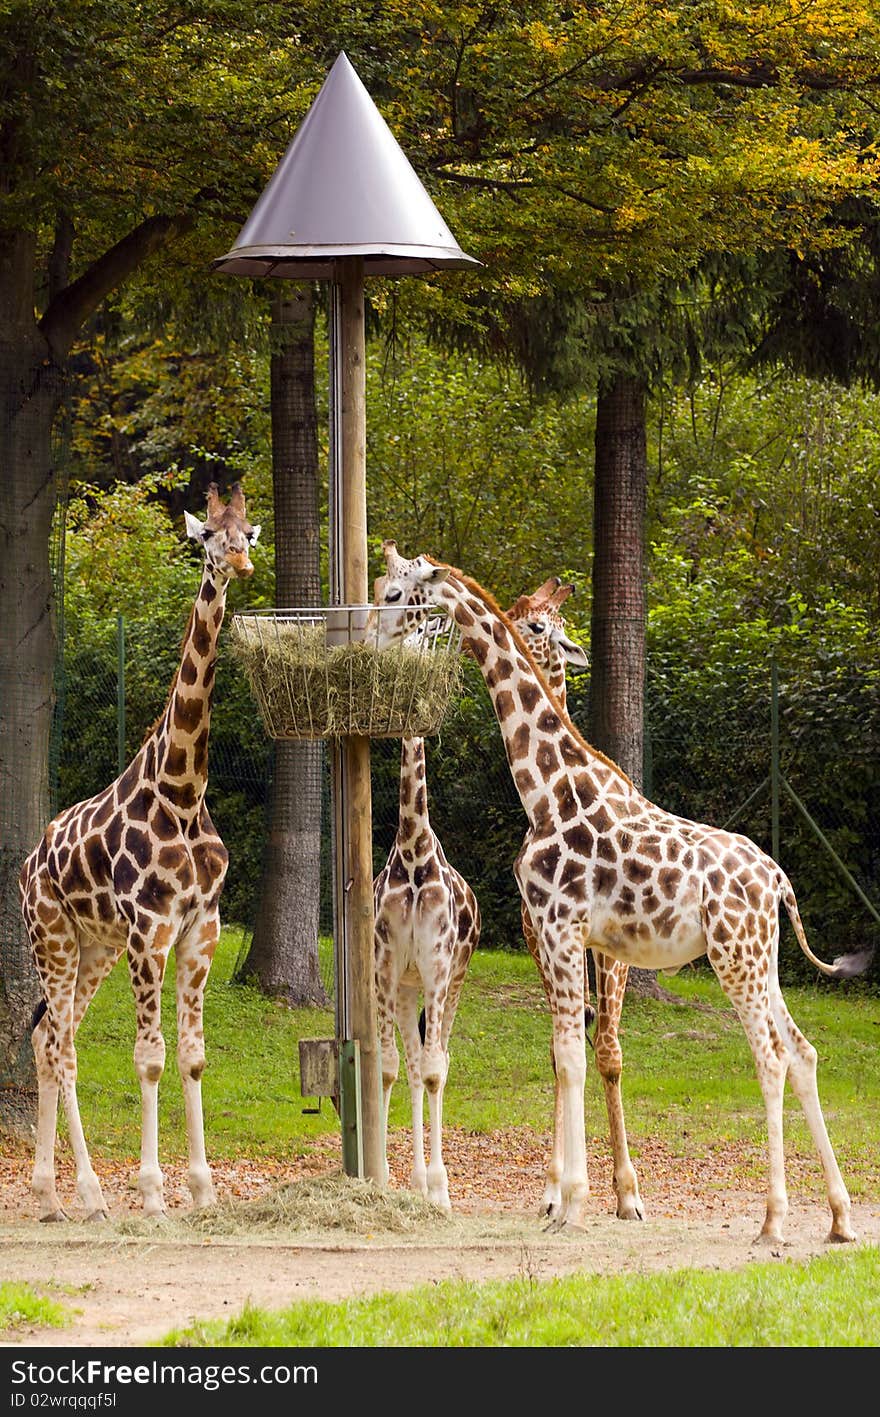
536	627
392	595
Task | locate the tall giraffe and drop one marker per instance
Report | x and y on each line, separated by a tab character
427	926
138	868
602	865
538	619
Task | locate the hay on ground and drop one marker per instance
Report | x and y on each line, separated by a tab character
313	1205
306	688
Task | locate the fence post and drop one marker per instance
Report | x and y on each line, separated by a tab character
774	759
120	691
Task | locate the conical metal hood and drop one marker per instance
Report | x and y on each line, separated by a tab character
343	188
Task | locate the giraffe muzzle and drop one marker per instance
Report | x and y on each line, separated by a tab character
240	563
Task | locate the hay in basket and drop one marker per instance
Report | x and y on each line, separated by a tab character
318	673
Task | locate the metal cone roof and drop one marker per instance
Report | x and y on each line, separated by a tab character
343	188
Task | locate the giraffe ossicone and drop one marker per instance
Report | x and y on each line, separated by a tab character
138	869
603	866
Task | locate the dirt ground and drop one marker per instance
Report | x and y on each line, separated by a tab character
130	1280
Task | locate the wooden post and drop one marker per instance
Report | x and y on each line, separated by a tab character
358	869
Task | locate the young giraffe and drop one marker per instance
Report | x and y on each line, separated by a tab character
537	618
427	926
139	868
603	865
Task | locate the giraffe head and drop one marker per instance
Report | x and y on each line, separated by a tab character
226	535
538	620
407	591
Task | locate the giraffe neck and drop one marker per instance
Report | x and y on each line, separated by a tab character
181	735
554	674
413	824
544	749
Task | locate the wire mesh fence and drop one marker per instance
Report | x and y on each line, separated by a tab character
711	760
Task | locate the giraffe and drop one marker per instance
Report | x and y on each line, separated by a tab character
138	868
427	926
604	866
538	619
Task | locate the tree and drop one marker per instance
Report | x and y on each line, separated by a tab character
283	957
117	137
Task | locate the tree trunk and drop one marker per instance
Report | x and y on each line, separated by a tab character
283	957
617	638
30	390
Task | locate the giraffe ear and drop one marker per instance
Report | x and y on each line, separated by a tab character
194	527
574	654
255	534
430	574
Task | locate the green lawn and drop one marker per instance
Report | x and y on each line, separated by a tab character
833	1301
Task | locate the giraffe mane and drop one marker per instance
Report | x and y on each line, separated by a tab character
524	650
170	695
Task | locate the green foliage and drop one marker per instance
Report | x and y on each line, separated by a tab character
462	463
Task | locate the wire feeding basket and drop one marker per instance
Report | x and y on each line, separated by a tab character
318	672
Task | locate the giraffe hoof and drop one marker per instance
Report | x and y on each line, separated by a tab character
836	1238
54	1217
97	1215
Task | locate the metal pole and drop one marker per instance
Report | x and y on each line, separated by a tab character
844	871
120	692
352	800
774	760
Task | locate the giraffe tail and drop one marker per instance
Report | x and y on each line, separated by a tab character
846	966
42	1007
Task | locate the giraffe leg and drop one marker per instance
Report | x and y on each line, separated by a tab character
610	990
562	953
748	991
435	1067
386	994
551	1201
408	1023
147	958
54	940
50	939
193	955
95	963
802	1073
46	1055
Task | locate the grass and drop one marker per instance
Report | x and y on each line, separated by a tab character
688	1080
832	1301
23	1307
